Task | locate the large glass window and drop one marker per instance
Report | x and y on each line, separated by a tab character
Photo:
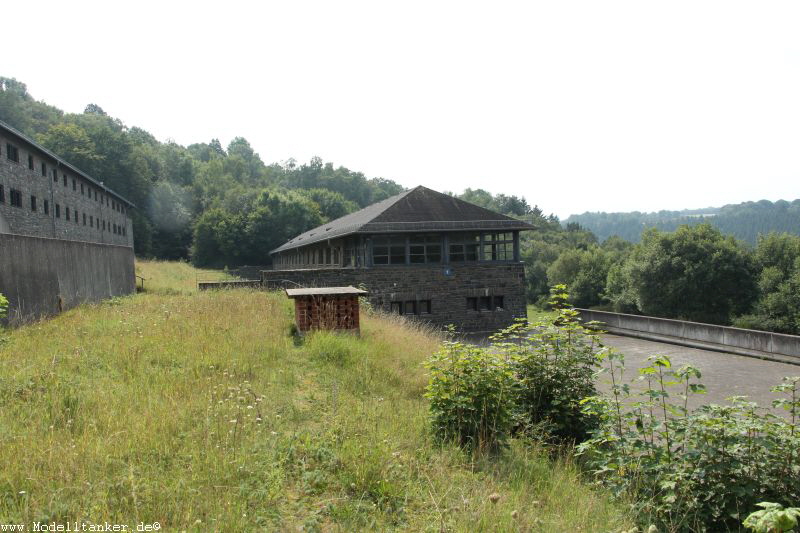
388	250
464	247
425	249
498	247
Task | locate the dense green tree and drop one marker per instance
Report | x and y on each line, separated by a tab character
778	305
584	272
694	273
332	205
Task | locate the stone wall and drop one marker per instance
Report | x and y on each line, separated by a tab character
707	336
447	289
93	212
42	277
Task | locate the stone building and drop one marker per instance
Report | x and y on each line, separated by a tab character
65	238
420	253
44	196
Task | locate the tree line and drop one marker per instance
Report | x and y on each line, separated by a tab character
214	205
744	221
223	206
693	273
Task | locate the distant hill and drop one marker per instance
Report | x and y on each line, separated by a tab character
744	221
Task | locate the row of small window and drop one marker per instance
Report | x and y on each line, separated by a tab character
422	249
314	256
12	153
423	307
485	303
412	307
15	200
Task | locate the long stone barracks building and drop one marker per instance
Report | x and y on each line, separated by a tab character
420	253
65	238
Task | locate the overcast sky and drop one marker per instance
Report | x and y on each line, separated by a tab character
578	106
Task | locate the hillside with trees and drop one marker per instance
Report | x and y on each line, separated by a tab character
745	221
216	205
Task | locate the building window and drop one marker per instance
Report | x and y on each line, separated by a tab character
424	307
91	221
81	188
84	219
425	249
44	169
30	161
55	175
76	216
74	185
104	225
66	214
12	153
2	195
498	247
46	207
65	180
464	247
485	303
498	303
410	307
16	198
58	211
33	203
388	250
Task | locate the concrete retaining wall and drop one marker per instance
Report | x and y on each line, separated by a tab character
707	336
42	277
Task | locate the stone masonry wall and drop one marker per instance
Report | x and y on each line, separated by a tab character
61	187
447	293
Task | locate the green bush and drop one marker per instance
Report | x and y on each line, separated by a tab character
701	469
772	518
531	378
472	394
554	363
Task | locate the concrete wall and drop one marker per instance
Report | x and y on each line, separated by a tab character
447	293
734	340
42	276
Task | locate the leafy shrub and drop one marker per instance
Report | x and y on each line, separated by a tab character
773	518
699	469
554	363
472	393
3	305
531	378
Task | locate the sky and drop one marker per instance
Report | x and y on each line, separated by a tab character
577	106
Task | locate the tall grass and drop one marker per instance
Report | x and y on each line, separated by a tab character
199	411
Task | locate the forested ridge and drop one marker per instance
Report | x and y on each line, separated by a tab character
224	206
745	221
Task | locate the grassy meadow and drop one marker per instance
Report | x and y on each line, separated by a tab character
199	411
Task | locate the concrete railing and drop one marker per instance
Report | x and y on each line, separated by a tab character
697	335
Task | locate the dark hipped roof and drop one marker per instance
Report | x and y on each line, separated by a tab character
21	136
418	209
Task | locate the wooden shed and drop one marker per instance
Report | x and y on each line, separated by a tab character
334	308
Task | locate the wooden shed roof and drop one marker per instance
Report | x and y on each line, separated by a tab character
323	291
